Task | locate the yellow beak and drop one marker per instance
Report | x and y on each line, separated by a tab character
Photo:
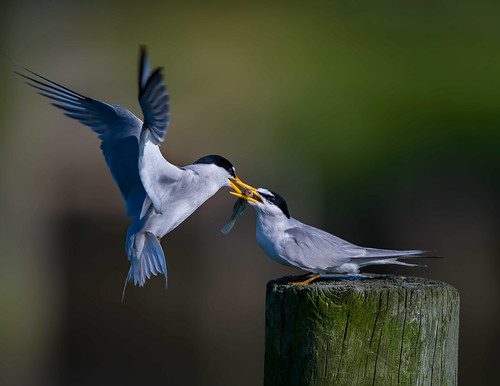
249	193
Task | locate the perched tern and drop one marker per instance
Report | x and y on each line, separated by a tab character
290	242
158	194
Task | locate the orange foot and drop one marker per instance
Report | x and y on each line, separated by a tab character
305	282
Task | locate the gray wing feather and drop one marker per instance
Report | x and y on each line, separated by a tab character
117	128
313	248
154	100
319	249
157	174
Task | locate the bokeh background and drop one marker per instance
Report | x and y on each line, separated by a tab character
378	121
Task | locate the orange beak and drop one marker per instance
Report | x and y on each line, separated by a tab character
248	193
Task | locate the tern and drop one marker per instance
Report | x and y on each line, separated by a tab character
158	195
293	243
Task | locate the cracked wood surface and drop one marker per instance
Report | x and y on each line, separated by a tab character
384	330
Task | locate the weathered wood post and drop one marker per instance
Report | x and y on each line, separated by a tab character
385	330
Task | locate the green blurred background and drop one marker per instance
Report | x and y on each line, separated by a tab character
378	122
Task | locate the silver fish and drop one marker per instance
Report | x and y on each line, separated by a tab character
238	208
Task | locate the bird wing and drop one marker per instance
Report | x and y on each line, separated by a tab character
313	248
157	174
154	100
118	129
319	249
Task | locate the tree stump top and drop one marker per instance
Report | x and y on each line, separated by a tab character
376	329
367	282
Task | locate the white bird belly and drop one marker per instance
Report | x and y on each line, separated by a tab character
175	213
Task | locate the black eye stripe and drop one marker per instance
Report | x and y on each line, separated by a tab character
276	199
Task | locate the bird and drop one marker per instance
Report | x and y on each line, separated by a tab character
293	243
158	194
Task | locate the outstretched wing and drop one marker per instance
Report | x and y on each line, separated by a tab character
157	174
154	100
117	127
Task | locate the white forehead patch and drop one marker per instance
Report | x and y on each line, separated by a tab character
265	191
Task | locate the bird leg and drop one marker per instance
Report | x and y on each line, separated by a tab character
305	282
159	239
300	277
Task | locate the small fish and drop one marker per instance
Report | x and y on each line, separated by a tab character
238	208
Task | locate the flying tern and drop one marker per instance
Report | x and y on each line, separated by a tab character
293	243
158	195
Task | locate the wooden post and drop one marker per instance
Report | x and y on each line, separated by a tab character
383	330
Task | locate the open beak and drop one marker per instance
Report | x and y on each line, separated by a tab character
248	193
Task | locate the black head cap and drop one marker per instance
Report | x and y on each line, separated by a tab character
219	161
275	199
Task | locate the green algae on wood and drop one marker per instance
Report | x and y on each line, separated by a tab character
384	330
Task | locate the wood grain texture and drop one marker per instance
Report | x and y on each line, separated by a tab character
385	330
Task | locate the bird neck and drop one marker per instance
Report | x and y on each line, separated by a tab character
267	222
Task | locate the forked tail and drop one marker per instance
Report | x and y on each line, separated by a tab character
146	259
386	260
387	256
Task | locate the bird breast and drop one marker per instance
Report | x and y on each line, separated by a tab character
270	235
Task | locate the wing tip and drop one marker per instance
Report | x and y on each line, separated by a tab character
50	84
143	67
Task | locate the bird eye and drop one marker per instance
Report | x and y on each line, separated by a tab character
271	199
